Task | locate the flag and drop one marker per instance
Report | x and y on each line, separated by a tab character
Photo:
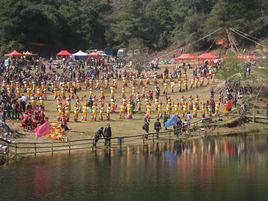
42	130
171	122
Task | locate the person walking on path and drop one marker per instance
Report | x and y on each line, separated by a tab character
107	135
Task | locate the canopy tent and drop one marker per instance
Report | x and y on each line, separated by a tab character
64	53
14	53
27	53
246	57
208	55
80	54
94	55
185	57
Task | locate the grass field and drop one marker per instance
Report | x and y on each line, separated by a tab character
120	127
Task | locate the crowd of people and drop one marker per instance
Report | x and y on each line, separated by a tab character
103	92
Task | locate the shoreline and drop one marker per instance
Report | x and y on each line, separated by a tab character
68	148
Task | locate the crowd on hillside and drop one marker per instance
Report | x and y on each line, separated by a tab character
25	86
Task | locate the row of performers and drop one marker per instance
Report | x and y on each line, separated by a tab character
128	108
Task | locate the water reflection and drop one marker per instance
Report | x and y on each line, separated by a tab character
199	169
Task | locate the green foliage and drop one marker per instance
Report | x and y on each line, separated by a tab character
45	26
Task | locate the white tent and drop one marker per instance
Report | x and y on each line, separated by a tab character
80	54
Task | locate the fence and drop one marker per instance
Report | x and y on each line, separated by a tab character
18	149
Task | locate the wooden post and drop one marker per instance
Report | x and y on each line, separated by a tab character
69	147
7	150
34	149
16	148
52	149
153	138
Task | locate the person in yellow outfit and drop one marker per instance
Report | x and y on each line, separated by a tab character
76	113
55	93
112	91
67	113
33	102
185	83
122	112
202	81
168	109
63	93
190	103
138	105
38	93
102	96
196	102
159	110
108	112
18	92
77	104
194	111
101	113
143	92
176	109
148	110
217	108
123	93
28	92
124	81
78	85
165	91
94	112
192	83
44	94
203	110
129	110
196	82
180	85
72	91
84	112
133	91
41	102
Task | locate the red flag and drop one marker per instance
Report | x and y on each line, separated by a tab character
42	130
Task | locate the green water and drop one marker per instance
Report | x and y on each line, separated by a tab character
227	168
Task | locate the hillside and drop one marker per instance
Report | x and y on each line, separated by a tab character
47	26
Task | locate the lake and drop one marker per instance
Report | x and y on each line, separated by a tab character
215	168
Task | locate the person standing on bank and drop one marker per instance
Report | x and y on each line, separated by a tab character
145	127
98	135
107	135
157	127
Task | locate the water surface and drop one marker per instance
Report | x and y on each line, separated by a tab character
225	168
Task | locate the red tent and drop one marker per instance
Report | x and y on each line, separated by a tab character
94	54
64	53
186	57
246	57
14	53
207	55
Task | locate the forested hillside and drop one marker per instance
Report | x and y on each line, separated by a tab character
45	26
